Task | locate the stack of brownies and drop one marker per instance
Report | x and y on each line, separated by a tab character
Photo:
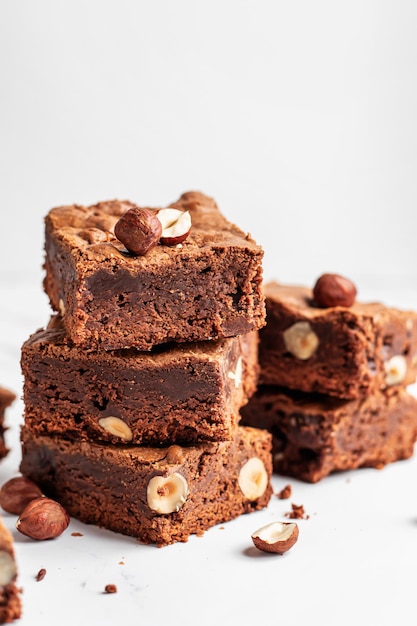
132	392
333	380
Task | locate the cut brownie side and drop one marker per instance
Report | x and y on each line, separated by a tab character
6	399
314	435
158	495
184	393
342	351
10	601
209	287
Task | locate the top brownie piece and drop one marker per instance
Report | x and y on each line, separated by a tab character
342	351
208	287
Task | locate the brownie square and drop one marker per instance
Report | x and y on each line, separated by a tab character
315	435
158	495
208	287
6	399
179	393
342	351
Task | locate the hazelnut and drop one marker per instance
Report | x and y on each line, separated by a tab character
166	494
276	537
8	569
174	455
117	427
237	374
253	478
301	340
334	290
43	518
395	370
17	492
139	229
176	226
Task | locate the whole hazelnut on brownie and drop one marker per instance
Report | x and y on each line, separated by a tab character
334	290
139	229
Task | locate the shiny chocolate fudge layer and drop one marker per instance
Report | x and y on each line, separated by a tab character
342	351
207	287
181	393
158	495
314	436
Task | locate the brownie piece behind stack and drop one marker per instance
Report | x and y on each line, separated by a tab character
132	394
6	399
333	384
10	600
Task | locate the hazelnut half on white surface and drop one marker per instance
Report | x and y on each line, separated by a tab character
276	537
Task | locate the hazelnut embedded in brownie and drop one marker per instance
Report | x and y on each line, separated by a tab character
10	598
158	495
178	393
345	351
316	435
209	286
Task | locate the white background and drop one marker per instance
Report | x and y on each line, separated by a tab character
300	119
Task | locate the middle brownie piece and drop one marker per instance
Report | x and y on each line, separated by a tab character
182	393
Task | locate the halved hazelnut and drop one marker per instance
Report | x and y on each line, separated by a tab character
117	427
237	374
139	229
301	340
276	537
176	226
253	478
395	370
166	494
8	569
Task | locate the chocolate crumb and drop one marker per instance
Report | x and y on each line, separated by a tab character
110	589
297	512
77	535
41	574
285	493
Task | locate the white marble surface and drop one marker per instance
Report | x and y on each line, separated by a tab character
353	563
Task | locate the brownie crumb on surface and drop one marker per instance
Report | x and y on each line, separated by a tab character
285	493
41	574
297	512
110	588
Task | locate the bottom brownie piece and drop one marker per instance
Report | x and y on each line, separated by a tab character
158	495
10	603
6	399
314	435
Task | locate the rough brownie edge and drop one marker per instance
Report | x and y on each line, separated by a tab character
6	399
355	344
10	600
185	393
106	485
208	288
314	436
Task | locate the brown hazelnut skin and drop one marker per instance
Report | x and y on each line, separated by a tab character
139	229
334	290
43	518
17	492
